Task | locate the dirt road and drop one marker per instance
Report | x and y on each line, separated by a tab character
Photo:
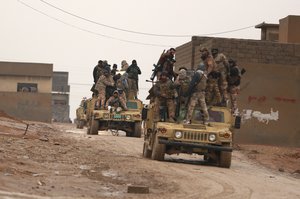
60	161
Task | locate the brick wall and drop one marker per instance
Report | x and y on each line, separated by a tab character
272	82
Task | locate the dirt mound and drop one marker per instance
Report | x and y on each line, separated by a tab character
283	159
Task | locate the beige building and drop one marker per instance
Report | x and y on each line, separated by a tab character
287	31
25	90
270	87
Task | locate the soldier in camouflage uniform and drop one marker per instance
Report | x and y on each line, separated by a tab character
182	83
121	82
213	95
166	63
114	70
197	90
164	94
133	72
97	72
103	81
234	81
223	69
116	101
124	65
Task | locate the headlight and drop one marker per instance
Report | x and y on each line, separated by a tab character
212	137
106	115
128	117
178	134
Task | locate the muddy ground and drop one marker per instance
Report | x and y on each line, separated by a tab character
60	161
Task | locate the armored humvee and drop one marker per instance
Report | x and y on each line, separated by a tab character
81	111
213	141
80	117
129	121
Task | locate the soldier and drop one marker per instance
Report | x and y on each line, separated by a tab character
182	83
223	69
121	82
164	94
114	70
133	72
166	63
234	81
115	101
197	94
97	72
124	65
104	81
213	94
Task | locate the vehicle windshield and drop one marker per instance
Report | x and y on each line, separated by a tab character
132	105
214	116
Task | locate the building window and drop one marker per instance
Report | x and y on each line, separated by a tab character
27	87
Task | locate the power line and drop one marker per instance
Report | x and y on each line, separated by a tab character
140	33
85	30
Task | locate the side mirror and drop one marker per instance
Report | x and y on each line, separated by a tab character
237	122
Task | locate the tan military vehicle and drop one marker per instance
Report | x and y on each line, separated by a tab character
213	141
129	121
81	118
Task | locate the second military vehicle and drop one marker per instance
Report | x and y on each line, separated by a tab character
129	121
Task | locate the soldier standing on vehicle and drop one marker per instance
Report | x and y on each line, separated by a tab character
182	84
121	82
234	81
133	72
223	69
115	101
166	62
213	94
124	65
97	72
104	81
164	94
114	70
197	94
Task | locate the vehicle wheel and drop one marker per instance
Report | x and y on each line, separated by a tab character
146	152
88	131
158	152
114	132
137	129
81	124
225	159
94	127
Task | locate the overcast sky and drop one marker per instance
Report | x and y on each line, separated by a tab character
74	34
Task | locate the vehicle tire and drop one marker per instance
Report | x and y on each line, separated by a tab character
81	124
158	152
146	152
114	132
88	131
137	130
94	127
225	159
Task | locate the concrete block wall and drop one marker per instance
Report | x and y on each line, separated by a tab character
272	81
27	106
